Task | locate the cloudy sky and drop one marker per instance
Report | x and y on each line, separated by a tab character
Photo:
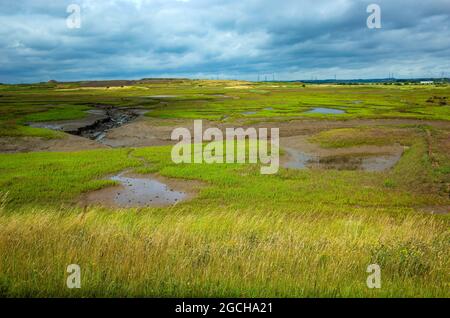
288	39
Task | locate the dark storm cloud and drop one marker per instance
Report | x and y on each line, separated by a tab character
295	39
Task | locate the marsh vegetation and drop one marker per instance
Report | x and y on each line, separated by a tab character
308	232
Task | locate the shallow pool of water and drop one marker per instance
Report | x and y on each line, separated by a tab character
327	111
145	192
301	160
297	159
380	163
163	96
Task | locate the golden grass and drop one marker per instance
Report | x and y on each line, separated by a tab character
222	252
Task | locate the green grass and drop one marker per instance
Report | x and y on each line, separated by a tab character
8	130
62	112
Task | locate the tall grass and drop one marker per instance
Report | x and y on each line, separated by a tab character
222	252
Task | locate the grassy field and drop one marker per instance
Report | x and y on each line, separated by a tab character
299	233
218	100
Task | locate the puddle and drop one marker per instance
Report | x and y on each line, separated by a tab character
380	163
222	96
142	191
327	111
145	192
99	112
338	163
163	96
297	159
254	112
375	163
54	126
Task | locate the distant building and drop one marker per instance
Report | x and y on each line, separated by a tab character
426	82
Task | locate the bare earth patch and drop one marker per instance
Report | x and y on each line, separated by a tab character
32	144
142	191
146	132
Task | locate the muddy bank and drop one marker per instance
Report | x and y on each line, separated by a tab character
114	118
34	144
142	191
146	131
95	125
